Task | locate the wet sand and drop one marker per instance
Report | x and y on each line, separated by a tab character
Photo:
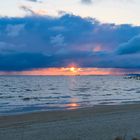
95	123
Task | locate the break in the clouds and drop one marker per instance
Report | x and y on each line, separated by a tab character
42	41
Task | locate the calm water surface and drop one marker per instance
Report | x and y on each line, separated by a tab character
22	94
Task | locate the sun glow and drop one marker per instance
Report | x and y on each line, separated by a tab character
70	70
74	70
72	106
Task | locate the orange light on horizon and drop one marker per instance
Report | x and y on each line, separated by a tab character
71	71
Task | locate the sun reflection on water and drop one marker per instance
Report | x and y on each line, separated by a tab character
73	106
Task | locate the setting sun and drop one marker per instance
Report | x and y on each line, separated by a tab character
73	69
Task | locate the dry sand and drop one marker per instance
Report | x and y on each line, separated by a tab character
96	123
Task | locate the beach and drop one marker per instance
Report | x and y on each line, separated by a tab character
102	122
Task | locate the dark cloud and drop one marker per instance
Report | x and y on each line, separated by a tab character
27	9
35	1
22	61
86	1
95	1
42	41
130	47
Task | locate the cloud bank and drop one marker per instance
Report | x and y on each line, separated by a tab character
35	41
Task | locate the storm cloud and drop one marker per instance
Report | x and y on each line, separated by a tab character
36	41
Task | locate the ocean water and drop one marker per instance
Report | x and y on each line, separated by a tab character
22	94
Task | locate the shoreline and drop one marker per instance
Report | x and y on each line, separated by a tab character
57	115
119	119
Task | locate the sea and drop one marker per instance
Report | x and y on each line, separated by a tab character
24	94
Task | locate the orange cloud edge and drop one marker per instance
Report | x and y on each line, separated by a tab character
71	71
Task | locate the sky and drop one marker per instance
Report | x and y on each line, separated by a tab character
112	11
45	37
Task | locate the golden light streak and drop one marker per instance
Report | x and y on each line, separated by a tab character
71	71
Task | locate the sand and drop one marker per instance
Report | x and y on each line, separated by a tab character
95	123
